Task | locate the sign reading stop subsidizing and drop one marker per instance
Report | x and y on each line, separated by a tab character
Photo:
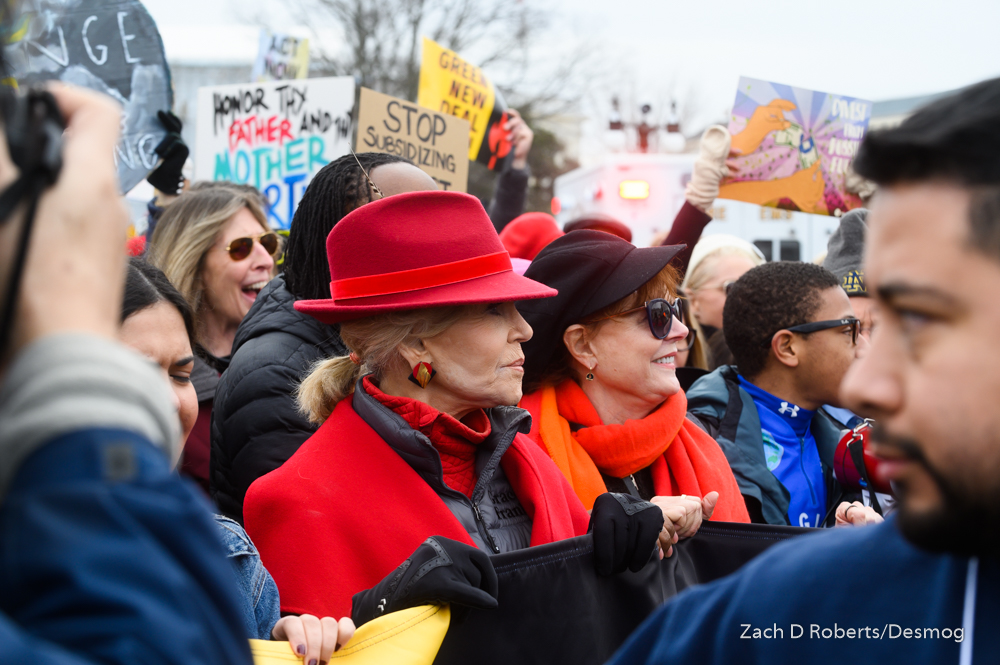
274	135
435	142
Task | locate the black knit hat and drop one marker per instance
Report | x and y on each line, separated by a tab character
845	252
591	270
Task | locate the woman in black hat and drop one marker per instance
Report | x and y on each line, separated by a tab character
601	384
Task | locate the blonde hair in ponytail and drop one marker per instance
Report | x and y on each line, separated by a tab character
375	341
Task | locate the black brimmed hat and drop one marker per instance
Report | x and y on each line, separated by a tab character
591	270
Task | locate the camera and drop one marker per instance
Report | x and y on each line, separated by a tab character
34	128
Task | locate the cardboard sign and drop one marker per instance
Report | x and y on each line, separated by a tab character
274	136
796	146
435	142
453	86
280	57
111	47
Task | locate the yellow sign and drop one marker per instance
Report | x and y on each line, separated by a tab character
435	142
456	87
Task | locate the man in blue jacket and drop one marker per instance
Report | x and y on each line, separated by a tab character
793	334
106	555
923	587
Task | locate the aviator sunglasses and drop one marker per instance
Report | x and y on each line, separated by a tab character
240	248
660	315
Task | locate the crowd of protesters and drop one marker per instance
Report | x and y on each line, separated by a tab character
235	435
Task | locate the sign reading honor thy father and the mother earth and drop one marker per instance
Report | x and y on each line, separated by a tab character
436	142
274	135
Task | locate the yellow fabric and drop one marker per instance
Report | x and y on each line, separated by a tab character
407	637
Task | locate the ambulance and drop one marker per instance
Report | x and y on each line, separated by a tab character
645	191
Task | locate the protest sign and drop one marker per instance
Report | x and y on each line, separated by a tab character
796	146
280	57
453	86
113	47
274	136
437	143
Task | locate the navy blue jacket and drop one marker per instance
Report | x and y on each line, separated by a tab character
875	594
108	556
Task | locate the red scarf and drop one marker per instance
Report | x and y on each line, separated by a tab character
683	458
455	441
345	510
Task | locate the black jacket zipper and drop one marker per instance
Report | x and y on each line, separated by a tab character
482	527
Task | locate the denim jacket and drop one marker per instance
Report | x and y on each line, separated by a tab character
260	594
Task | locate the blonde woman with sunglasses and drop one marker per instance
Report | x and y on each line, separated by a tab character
215	246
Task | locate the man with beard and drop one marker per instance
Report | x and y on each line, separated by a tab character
924	587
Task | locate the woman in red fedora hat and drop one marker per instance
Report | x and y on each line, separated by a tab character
604	398
420	435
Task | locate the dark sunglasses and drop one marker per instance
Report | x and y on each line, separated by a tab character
240	248
816	326
660	315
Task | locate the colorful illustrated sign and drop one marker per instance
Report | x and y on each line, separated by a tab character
111	46
795	147
274	136
437	143
456	87
280	57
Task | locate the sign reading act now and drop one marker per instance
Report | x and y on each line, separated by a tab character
436	142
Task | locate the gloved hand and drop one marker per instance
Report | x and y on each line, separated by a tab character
709	169
173	152
441	570
625	532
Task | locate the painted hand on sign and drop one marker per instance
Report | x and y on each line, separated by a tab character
765	119
111	47
274	136
793	147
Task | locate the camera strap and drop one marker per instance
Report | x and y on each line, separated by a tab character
28	186
856	449
34	129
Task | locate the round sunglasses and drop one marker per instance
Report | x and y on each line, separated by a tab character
240	248
660	315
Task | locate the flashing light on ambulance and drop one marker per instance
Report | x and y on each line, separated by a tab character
633	189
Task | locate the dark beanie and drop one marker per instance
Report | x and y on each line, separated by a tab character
845	252
591	270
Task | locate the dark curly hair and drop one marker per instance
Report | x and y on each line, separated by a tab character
767	299
337	189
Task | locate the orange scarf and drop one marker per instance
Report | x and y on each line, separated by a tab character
683	458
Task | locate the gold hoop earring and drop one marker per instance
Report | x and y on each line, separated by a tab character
590	374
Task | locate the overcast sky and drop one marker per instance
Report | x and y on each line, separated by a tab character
697	49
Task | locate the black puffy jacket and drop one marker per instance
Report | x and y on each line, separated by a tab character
256	424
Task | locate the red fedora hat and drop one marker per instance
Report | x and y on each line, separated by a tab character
415	250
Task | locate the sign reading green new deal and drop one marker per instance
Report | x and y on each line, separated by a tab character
274	136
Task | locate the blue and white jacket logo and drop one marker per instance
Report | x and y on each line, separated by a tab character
790	409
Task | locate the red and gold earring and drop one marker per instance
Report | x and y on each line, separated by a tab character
422	374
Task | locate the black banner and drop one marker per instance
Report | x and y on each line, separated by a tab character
555	609
111	46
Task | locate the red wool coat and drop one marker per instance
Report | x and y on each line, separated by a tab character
345	510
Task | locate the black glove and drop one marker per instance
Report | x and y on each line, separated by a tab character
625	532
441	570
173	152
